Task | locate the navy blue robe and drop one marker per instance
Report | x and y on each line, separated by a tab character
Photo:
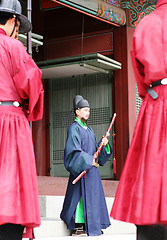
78	156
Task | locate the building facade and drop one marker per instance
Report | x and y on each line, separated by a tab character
86	50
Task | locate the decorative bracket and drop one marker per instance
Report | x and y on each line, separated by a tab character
136	10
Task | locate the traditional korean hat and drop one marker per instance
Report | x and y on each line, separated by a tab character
14	7
76	99
80	102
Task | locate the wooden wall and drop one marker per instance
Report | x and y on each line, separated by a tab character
64	27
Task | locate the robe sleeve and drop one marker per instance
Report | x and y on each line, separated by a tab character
148	52
27	80
104	156
138	71
75	159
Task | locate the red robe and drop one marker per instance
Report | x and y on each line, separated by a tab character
20	79
141	196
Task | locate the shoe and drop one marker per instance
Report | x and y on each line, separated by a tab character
79	232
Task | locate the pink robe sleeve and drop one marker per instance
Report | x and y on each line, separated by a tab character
148	52
139	72
29	86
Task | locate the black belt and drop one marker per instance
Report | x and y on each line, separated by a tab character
10	103
151	91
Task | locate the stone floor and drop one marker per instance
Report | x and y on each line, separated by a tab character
105	237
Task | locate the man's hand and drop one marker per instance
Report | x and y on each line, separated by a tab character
95	164
104	141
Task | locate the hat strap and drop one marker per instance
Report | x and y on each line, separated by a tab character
14	26
67	117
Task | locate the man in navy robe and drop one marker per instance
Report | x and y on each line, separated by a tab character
84	201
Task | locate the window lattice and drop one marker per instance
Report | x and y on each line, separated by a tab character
97	116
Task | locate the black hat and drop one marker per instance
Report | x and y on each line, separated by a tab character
76	99
14	7
80	102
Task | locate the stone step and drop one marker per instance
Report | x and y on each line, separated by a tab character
57	228
52	226
104	237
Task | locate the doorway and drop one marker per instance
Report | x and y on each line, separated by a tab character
97	89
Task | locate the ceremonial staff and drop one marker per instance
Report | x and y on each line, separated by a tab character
98	151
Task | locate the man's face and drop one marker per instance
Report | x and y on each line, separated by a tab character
83	113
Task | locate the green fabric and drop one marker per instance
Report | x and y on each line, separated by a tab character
81	123
79	214
107	147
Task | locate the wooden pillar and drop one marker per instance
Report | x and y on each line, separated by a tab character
29	16
125	95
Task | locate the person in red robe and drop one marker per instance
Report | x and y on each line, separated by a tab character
21	101
141	197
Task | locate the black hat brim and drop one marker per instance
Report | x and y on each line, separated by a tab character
25	25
